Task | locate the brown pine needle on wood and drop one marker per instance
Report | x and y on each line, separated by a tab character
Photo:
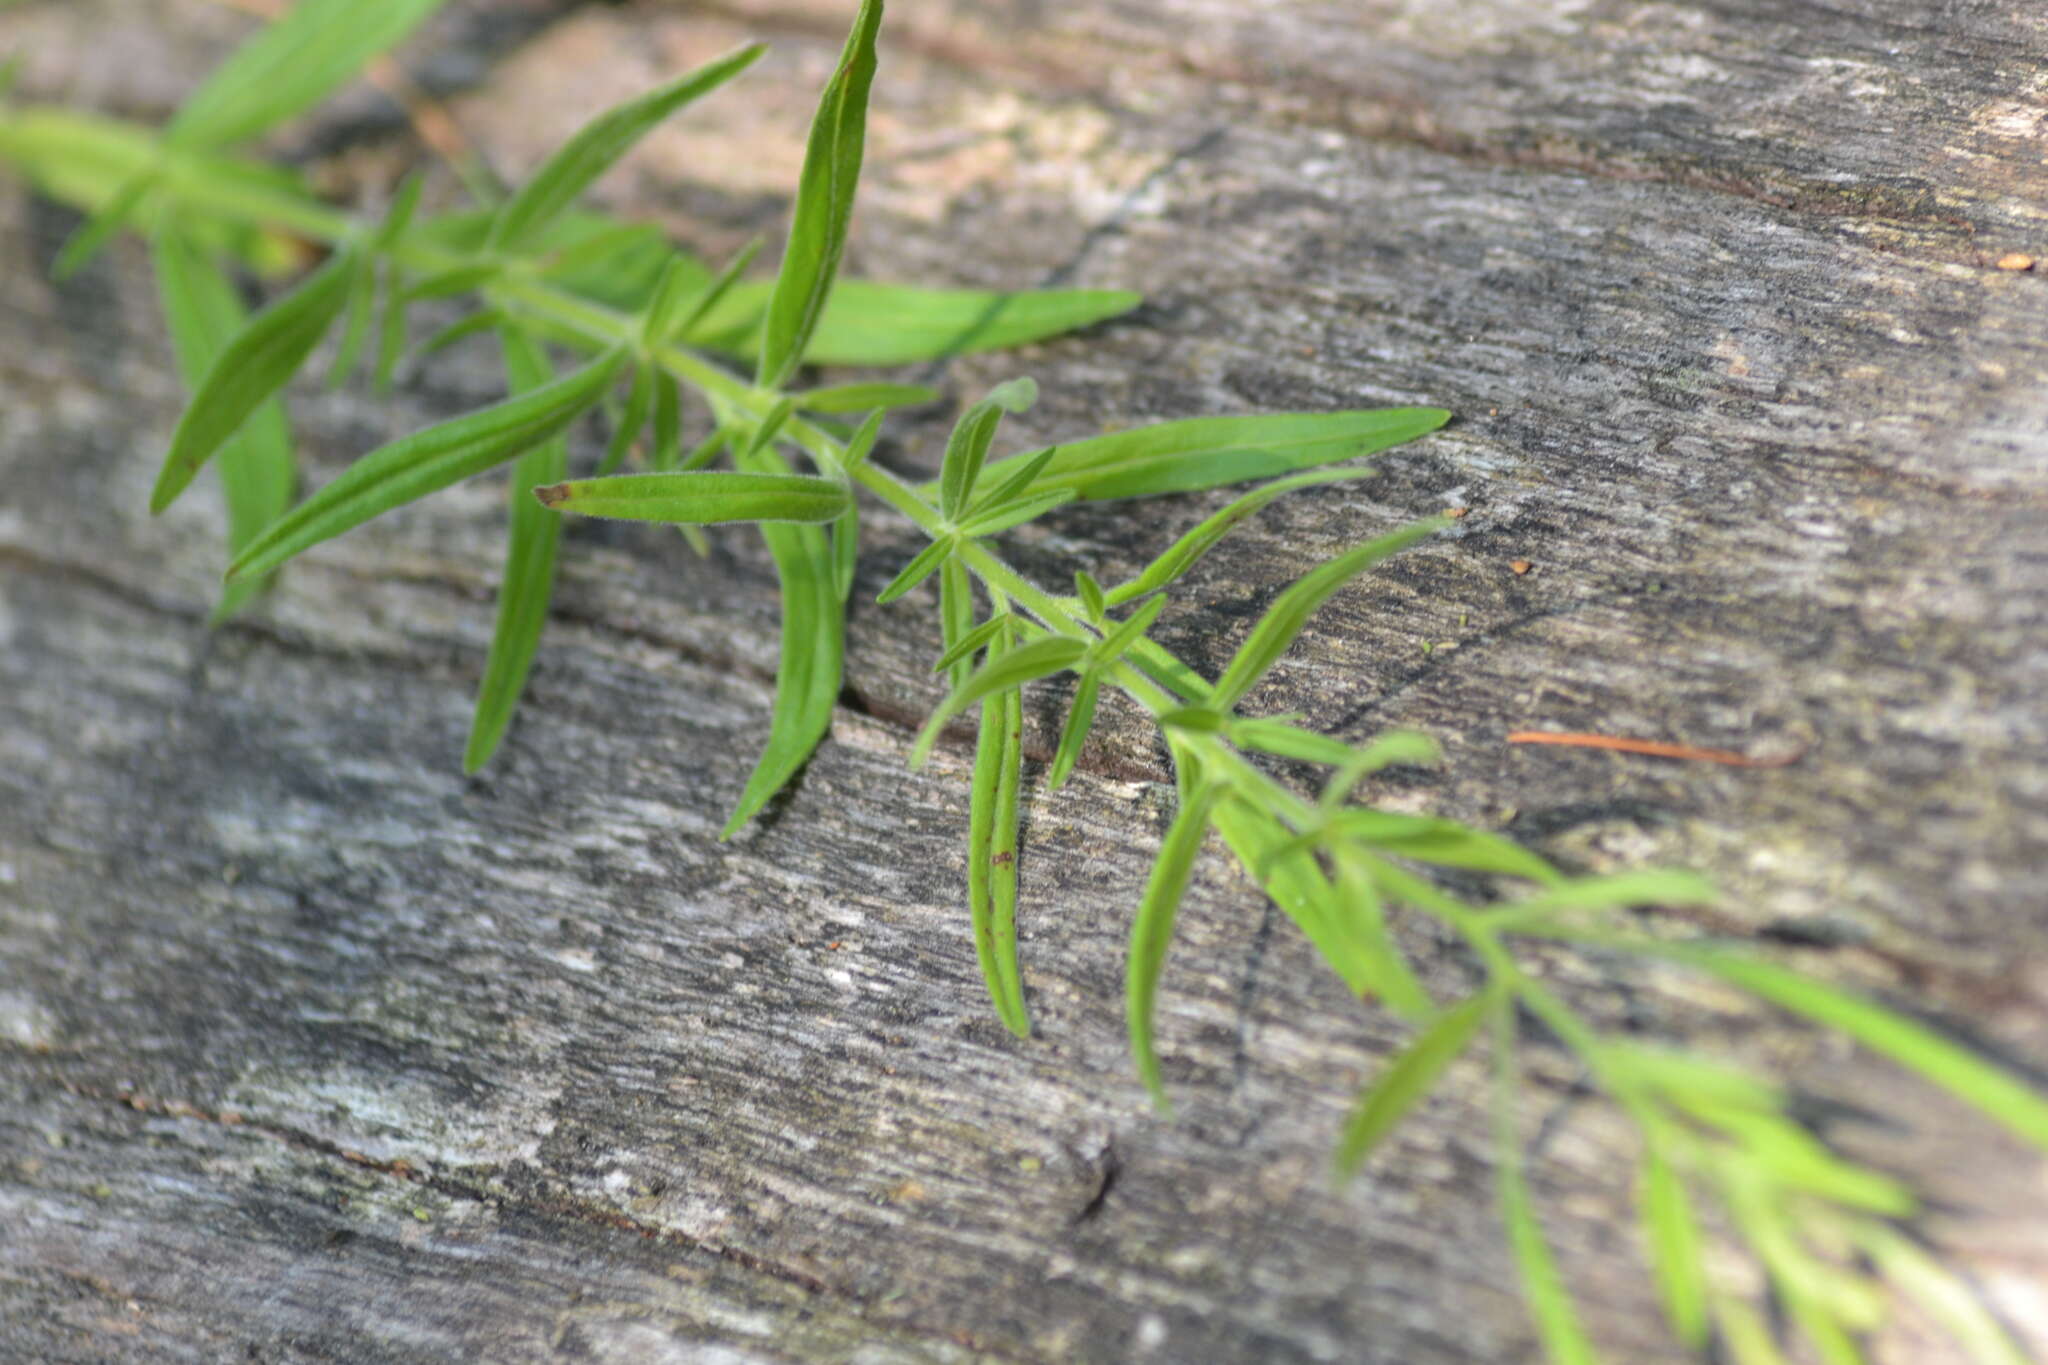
1654	748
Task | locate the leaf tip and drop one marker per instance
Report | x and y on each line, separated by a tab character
552	495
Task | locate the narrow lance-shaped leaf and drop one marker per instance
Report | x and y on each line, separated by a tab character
869	323
846	549
291	66
1395	746
824	205
1648	887
864	397
427	461
668	422
1074	733
1359	914
1550	1303
391	332
863	443
256	468
1284	620
956	622
701	497
1673	1234
1003	853
996	759
714	291
578	163
355	327
1093	603
1941	1294
1152	932
1445	843
922	565
1271	735
1209	452
93	235
1990	1088
529	577
1026	663
1183	554
639	400
964	648
807	676
966	449
998	519
249	369
1406	1079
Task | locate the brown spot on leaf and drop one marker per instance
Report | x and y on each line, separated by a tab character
551	494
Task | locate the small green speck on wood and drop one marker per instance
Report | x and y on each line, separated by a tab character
582	304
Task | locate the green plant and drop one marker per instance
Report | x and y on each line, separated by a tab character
1723	1157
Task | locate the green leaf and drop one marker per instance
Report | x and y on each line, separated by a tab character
714	291
964	647
1282	740
1992	1089
824	206
992	848
1445	843
1673	1235
460	330
668	423
807	677
1395	746
427	461
702	497
1015	395
529	577
679	283
1357	910
1013	487
93	235
1183	553
1550	1304
256	467
921	566
1941	1294
459	279
355	330
391	335
1289	613
579	162
1074	733
1026	663
1207	452
250	368
966	449
639	398
867	323
1411	1075
1152	932
845	549
765	431
1090	592
956	618
1000	517
863	397
863	443
1655	887
291	66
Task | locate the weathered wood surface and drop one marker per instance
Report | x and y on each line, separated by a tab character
312	1049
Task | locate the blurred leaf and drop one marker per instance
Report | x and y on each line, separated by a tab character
1992	1089
578	163
1445	843
964	647
256	466
1941	1294
668	424
1152	932
845	549
863	397
702	497
1405	1080
1290	611
639	399
1026	663
254	365
1386	750
863	443
1282	740
1207	452
529	577
866	323
291	65
1550	1303
1093	603
824	206
1673	1235
93	235
1652	887
427	461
